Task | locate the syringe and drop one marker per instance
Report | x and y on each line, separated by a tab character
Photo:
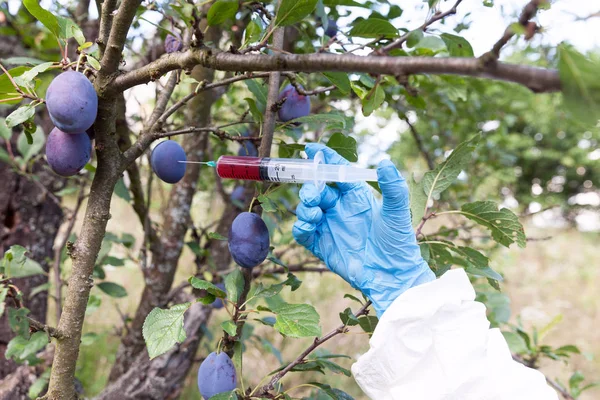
289	170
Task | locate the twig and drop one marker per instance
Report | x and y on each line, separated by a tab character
420	145
61	245
292	78
106	18
216	130
161	103
202	86
316	343
36	326
564	393
528	13
436	17
423	221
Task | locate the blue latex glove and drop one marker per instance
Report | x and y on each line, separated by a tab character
370	244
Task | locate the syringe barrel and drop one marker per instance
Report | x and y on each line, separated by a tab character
289	170
265	169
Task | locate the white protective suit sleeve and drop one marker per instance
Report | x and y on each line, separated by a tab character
434	343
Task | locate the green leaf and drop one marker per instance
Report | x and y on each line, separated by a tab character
564	350
94	63
253	31
234	285
344	145
7	90
580	84
27	78
39	289
368	323
17	320
319	119
515	342
373	28
503	224
61	27
28	267
163	328
5	132
216	236
40	384
348	318
20	115
257	115
333	393
112	289
21	61
20	348
297	320
430	45
267	291
418	200
259	90
229	327
414	37
351	297
221	11
292	11
340	80
114	261
89	338
3	293
93	304
546	329
436	181
198	283
122	191
333	367
457	45
267	204
373	100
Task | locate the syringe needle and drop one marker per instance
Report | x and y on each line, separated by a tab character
209	163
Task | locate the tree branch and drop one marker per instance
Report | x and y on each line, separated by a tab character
161	103
434	18
106	18
534	78
202	86
419	143
37	326
58	251
564	393
118	35
317	342
528	13
272	96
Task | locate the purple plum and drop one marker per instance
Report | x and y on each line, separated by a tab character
165	161
295	105
216	375
67	153
72	102
249	240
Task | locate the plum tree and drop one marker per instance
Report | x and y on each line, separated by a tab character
332	28
165	161
218	303
295	104
173	43
72	102
216	375
248	240
67	153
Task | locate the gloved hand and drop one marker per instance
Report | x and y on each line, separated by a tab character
371	245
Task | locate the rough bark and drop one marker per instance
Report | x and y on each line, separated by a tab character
176	222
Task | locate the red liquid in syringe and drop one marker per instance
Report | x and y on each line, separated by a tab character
264	169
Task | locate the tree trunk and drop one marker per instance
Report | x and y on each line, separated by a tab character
176	222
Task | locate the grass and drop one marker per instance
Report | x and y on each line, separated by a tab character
545	279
